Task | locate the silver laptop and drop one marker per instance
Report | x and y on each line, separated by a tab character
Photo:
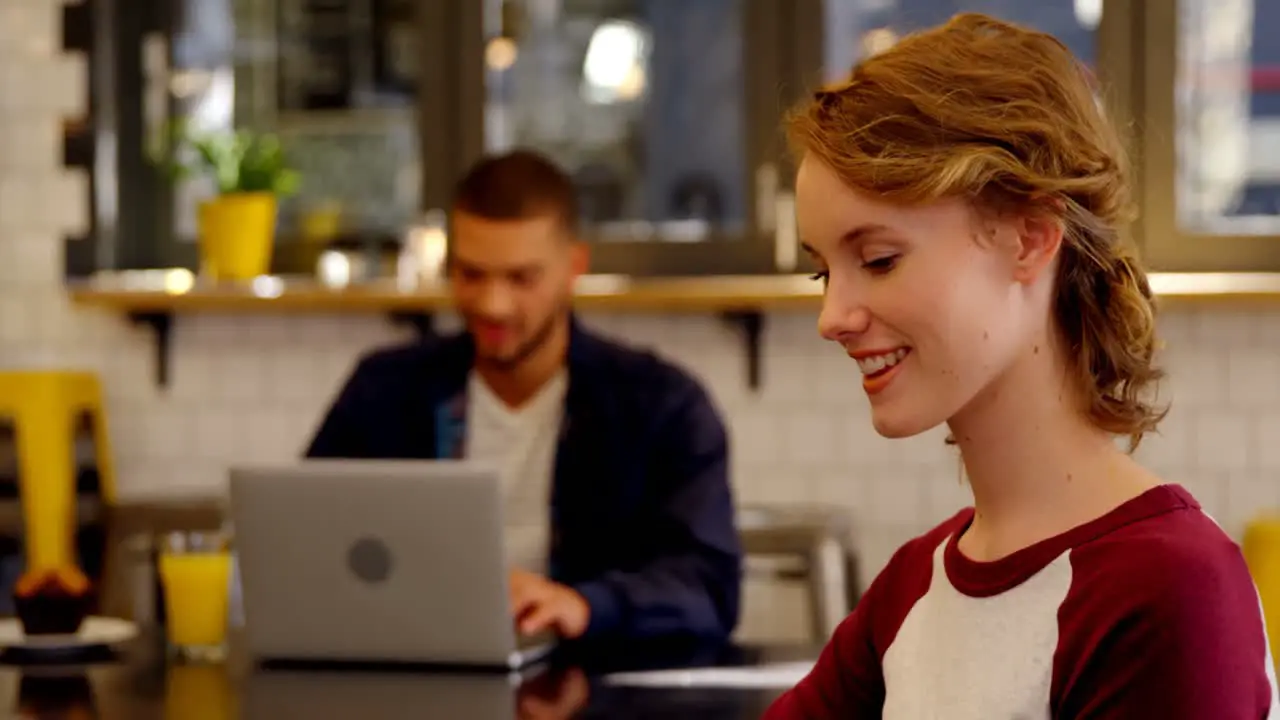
383	561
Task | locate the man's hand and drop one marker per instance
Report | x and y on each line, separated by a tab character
538	604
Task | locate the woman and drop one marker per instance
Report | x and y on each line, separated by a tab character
962	193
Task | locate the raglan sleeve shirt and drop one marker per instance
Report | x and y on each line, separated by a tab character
1148	611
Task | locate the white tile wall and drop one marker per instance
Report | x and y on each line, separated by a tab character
252	388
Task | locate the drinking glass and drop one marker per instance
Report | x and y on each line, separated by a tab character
195	576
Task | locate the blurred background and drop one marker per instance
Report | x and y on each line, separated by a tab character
666	112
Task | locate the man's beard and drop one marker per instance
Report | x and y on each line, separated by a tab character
541	335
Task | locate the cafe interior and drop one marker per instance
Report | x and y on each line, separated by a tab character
140	367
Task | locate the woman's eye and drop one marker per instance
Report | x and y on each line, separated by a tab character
821	275
881	264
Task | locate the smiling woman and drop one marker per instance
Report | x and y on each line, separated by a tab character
962	194
916	142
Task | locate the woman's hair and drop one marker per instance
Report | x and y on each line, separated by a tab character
1006	117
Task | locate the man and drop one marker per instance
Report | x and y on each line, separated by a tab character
627	449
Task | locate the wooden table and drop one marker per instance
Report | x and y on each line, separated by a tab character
141	686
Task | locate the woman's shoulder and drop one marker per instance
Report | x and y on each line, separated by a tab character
1175	548
1156	608
1175	570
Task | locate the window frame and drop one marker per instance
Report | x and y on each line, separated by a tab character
136	230
1167	246
453	77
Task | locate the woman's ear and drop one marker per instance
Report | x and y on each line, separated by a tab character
1039	238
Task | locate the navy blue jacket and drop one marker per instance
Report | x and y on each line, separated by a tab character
642	518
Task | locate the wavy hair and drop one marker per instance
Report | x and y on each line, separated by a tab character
1007	117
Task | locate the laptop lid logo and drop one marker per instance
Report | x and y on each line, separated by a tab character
370	560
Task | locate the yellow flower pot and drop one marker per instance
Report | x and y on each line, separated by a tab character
237	232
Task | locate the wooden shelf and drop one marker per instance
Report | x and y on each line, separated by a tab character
173	292
155	297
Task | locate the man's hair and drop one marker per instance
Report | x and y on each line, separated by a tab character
517	185
1006	117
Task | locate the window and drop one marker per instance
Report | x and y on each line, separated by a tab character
665	112
643	102
855	28
848	30
1228	118
1211	135
336	80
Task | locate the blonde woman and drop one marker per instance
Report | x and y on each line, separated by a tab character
961	192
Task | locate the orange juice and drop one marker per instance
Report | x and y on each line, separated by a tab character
196	588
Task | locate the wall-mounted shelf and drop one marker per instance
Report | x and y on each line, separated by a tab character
156	297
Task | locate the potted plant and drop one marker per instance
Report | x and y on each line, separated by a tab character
237	226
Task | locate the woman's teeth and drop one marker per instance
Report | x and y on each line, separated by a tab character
877	363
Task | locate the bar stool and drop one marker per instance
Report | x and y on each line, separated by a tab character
45	407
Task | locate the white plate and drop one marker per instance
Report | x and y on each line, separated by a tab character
94	631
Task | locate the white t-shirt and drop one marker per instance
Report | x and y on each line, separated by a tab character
522	442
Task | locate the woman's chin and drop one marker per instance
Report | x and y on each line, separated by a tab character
896	423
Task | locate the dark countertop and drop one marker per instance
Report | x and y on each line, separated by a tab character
139	686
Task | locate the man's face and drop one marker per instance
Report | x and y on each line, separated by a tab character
512	280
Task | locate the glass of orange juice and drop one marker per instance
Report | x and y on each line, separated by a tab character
195	575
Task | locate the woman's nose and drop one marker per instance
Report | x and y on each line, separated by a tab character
842	315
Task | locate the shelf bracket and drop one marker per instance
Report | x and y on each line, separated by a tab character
750	323
422	323
161	324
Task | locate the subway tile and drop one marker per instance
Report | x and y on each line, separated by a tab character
808	438
16	327
65	81
40	255
29	144
1253	378
1223	441
1249	495
171	433
1217	329
1172	445
1197	376
945	495
1266	430
29	29
62	203
895	496
18	197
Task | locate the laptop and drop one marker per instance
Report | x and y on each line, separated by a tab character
378	561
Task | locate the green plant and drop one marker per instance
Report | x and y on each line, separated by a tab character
239	161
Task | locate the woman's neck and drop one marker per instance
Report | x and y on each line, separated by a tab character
1036	466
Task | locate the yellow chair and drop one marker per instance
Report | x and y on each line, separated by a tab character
1261	548
45	407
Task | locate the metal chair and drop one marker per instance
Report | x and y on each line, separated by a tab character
820	540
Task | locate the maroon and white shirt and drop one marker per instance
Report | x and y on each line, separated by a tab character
1146	612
